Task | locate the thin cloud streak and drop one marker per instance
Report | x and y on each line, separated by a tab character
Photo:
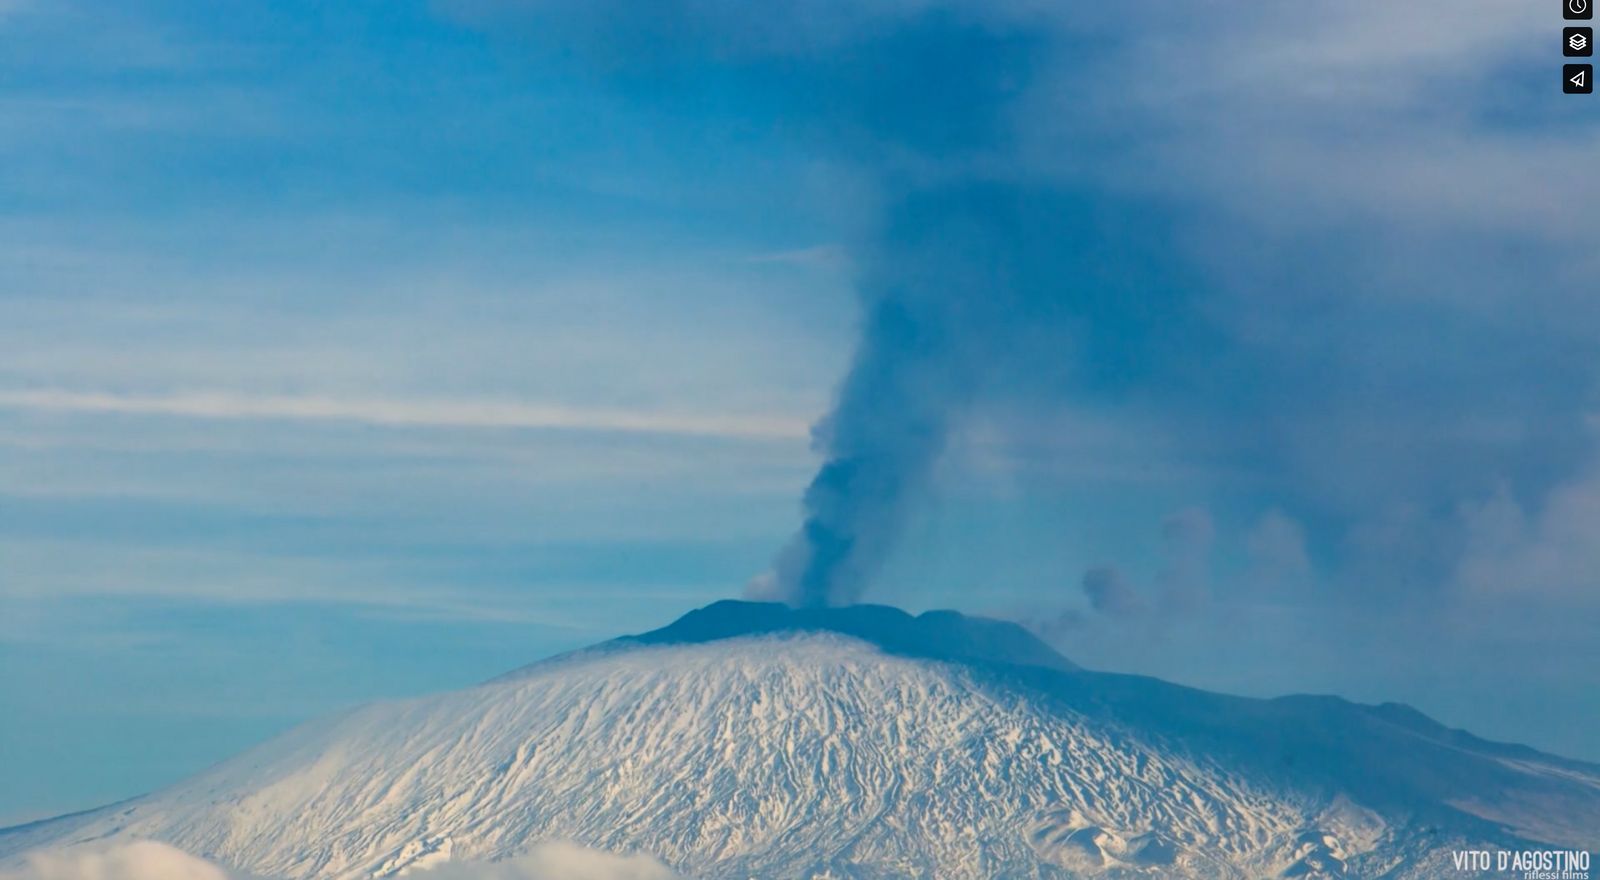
409	413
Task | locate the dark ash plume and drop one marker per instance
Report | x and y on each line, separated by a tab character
916	95
951	282
881	442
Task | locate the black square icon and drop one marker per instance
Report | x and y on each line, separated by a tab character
1577	79
1577	10
1577	42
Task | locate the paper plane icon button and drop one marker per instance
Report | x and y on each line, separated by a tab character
1577	79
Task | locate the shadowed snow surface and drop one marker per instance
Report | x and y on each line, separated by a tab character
753	740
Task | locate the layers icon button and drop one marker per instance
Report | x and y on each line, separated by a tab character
1577	42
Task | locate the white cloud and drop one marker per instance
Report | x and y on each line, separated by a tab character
49	570
832	257
1355	107
140	860
1184	580
149	860
554	861
1548	549
407	412
1276	550
1325	110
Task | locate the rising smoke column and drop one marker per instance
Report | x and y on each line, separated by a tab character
914	97
949	287
881	441
973	291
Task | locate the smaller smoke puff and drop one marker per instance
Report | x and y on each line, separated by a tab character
1181	587
1109	593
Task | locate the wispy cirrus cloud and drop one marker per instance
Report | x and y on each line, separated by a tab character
413	412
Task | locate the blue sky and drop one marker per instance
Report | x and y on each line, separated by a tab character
361	351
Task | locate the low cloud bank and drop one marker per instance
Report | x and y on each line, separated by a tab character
149	860
555	861
140	860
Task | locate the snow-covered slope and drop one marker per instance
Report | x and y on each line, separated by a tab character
749	740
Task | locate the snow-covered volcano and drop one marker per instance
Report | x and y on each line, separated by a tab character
752	740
